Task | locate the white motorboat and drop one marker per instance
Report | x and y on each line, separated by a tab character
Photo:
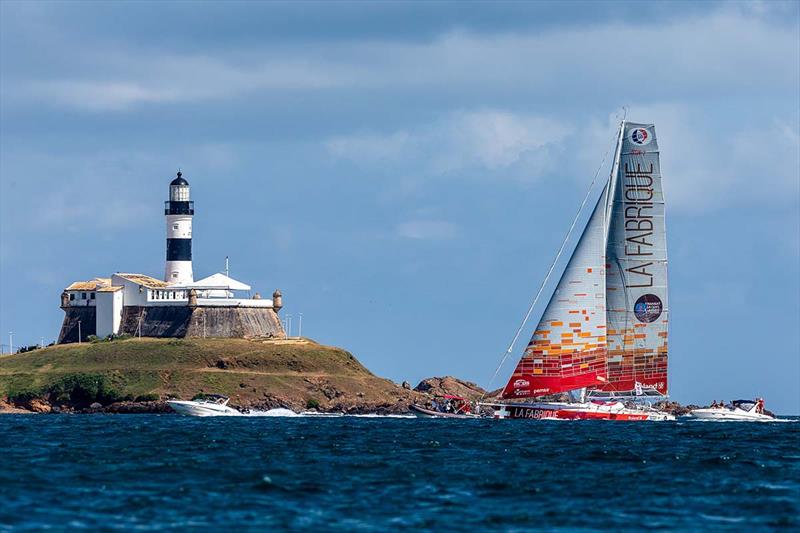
209	405
738	410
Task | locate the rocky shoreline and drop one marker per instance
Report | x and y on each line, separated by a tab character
395	404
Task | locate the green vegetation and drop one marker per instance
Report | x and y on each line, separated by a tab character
79	390
249	371
312	404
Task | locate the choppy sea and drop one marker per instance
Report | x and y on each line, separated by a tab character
150	472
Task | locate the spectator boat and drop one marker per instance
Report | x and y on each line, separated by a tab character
738	410
446	406
209	405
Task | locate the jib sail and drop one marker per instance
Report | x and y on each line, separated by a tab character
568	348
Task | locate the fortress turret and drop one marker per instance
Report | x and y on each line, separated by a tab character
179	210
277	300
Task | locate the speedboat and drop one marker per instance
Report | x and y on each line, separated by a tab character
738	410
446	406
209	405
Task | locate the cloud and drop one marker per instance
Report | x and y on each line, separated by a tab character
427	230
728	51
486	140
705	166
708	166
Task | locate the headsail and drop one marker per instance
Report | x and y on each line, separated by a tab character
636	269
568	347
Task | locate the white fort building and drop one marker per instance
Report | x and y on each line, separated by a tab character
177	306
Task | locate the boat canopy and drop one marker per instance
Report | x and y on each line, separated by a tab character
745	405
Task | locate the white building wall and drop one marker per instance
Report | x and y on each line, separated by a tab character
179	226
109	313
78	301
133	293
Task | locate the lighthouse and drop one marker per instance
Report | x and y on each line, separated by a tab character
179	210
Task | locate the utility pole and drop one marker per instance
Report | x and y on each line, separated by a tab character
288	325
300	326
11	343
79	331
226	266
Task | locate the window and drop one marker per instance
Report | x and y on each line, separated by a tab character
91	296
174	274
83	296
71	297
174	226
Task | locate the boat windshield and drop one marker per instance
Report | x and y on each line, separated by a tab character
212	398
744	405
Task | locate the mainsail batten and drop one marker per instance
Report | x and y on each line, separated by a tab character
636	269
568	348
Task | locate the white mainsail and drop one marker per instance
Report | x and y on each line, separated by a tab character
636	273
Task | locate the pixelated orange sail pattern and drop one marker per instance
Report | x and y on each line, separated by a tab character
568	347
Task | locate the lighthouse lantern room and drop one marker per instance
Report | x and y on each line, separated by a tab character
179	210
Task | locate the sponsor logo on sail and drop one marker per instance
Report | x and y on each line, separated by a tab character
520	383
648	308
640	136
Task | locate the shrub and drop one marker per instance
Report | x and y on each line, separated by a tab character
312	404
93	339
150	397
83	389
23	396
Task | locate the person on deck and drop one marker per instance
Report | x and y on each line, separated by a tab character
713	404
760	406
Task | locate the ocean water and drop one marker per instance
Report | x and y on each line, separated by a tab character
150	472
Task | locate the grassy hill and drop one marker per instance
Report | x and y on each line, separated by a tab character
296	373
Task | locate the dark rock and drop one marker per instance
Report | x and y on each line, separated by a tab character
437	386
138	408
407	385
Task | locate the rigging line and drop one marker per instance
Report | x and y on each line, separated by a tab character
549	272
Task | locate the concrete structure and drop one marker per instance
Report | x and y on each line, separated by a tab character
178	306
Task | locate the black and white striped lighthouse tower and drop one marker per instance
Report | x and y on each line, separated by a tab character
179	210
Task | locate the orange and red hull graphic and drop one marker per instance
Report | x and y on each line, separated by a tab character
539	375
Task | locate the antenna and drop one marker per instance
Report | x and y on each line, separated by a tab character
226	266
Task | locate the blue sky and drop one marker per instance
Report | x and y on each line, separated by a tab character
405	172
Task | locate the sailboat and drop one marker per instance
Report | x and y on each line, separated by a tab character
604	331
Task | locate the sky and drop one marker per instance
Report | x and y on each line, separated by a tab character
406	172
